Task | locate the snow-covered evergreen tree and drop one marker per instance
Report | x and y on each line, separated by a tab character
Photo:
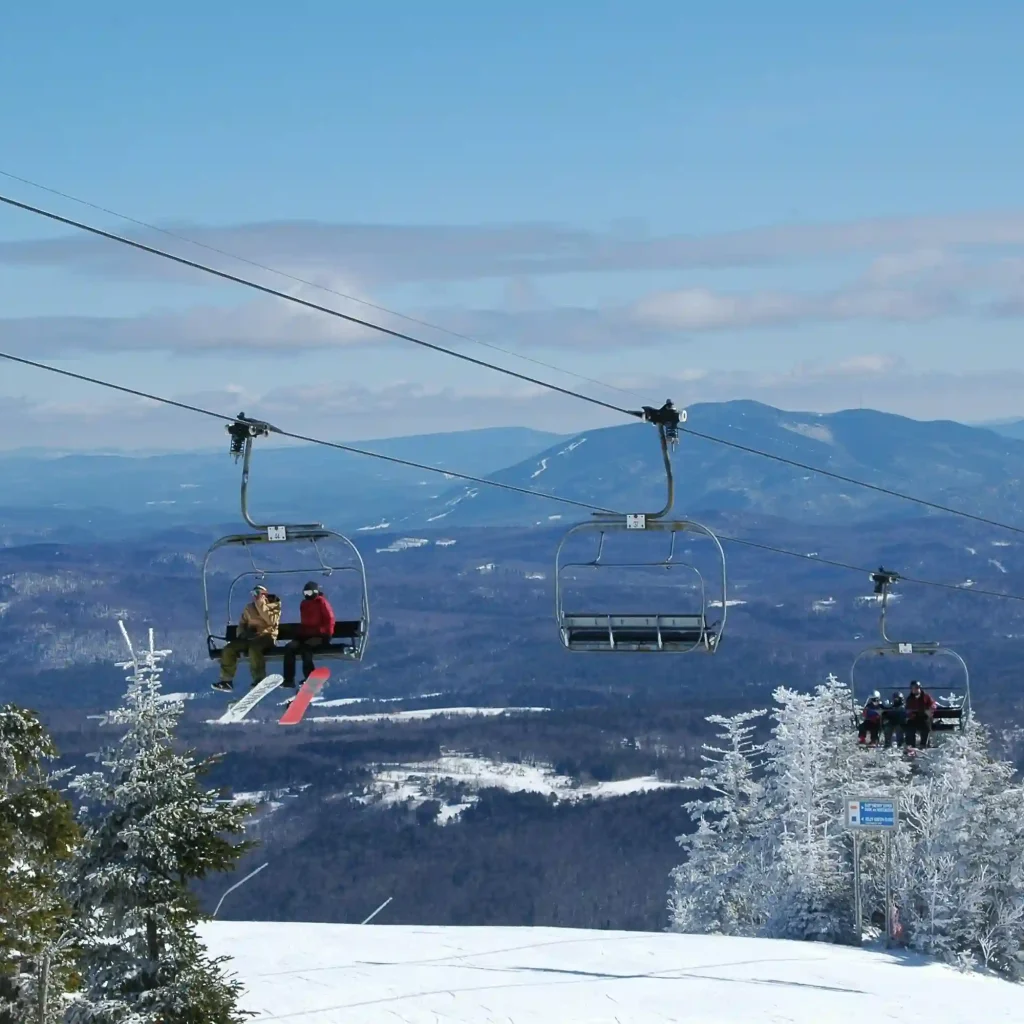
772	857
721	888
151	827
809	777
962	873
37	834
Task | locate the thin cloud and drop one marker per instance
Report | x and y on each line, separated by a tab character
699	309
915	286
393	254
274	326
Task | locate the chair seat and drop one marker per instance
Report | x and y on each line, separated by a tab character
344	642
639	632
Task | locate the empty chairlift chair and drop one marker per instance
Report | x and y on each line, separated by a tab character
954	709
350	633
679	628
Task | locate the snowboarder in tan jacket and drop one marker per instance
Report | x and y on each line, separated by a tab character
257	633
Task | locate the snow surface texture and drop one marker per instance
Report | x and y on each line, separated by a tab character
331	973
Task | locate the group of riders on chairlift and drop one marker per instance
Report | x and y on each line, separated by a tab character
258	629
898	720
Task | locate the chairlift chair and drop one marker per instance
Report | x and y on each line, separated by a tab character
953	710
350	635
678	630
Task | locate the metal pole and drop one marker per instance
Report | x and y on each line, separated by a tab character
856	886
378	910
888	889
236	885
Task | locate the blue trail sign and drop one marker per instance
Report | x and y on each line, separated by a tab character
875	813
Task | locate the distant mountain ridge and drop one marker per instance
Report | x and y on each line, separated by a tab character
1008	428
306	481
975	468
972	468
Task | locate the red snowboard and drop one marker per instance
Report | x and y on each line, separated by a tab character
310	688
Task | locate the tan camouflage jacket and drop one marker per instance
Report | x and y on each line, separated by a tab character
261	617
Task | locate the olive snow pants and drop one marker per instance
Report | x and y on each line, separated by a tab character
257	648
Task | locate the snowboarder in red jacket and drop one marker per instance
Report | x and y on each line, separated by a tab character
921	706
316	628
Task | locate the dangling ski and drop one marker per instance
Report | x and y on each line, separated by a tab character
301	701
237	710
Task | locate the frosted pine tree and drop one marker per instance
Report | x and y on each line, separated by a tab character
809	776
721	887
151	827
37	835
962	873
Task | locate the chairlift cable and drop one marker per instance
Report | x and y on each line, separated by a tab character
267	290
314	284
473	479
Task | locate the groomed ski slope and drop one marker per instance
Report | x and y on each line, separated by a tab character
330	973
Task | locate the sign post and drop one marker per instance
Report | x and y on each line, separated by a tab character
872	814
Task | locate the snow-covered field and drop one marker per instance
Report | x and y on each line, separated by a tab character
414	783
420	714
329	974
417	715
417	782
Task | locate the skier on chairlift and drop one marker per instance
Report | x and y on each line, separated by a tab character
315	629
872	719
894	720
257	633
921	706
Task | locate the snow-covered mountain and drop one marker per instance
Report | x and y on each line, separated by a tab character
329	973
973	468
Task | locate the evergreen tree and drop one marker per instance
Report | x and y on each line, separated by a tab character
151	828
721	887
962	869
809	777
37	834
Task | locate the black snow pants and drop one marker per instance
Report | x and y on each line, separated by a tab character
917	723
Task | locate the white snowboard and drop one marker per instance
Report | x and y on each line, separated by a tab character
237	710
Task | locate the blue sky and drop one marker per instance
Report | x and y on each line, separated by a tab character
812	205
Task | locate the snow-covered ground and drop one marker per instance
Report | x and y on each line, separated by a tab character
419	714
417	782
415	715
330	973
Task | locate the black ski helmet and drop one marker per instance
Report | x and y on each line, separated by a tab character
313	586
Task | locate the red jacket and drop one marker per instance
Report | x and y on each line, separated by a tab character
317	617
922	702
